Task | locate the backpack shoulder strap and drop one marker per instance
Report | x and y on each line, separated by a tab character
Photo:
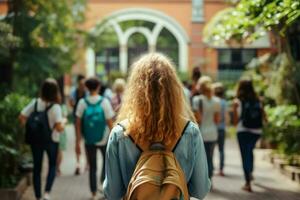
100	100
35	105
87	101
130	137
49	107
155	144
183	132
122	126
93	104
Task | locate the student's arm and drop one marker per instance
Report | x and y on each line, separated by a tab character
199	184
79	112
72	98
27	110
196	110
227	115
113	185
108	112
217	117
78	135
60	126
109	123
56	113
198	117
235	112
22	119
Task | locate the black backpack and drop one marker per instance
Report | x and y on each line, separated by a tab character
252	116
38	130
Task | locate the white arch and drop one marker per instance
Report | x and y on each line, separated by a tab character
159	18
145	31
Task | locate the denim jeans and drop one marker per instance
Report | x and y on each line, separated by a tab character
221	142
247	143
209	150
38	154
91	151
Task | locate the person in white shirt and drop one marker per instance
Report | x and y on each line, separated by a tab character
49	100
93	86
206	108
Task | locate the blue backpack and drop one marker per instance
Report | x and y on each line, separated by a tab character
38	131
93	122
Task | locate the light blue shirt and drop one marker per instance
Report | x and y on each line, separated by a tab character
122	156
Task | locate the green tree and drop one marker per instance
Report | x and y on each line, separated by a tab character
50	37
248	20
7	42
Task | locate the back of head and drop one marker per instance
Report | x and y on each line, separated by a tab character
92	84
196	74
246	90
50	91
219	89
119	85
154	101
80	77
205	85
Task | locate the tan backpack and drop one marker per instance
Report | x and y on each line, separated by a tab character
157	176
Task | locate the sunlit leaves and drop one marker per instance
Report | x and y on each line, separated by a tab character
243	21
7	39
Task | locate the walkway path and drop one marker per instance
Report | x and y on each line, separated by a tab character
268	184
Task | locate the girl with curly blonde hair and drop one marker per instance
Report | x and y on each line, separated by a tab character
155	110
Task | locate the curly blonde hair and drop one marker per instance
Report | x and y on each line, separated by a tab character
154	102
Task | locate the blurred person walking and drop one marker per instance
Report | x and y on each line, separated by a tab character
62	146
248	115
196	75
206	108
118	89
155	117
44	123
78	93
93	114
224	118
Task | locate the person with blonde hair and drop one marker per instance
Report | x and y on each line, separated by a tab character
154	110
206	108
118	89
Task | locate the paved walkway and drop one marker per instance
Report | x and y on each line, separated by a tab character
268	184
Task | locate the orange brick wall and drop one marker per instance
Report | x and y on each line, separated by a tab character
180	11
3	9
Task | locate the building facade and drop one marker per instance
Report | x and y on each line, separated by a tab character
150	22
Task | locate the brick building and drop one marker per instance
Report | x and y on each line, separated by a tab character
183	20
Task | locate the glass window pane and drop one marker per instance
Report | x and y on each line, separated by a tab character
248	55
225	56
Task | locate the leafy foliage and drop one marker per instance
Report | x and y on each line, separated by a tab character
7	39
12	146
283	128
249	20
50	38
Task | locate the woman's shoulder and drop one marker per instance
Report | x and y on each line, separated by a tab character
192	130
117	133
